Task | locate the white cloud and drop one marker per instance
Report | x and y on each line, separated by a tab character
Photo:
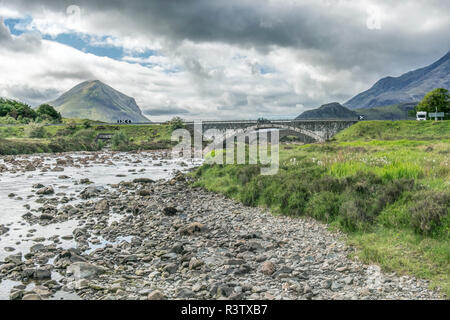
228	59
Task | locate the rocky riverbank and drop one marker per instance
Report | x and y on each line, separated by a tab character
145	239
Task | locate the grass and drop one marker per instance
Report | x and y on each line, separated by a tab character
396	130
79	135
386	184
406	253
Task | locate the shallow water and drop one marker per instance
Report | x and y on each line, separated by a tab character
146	165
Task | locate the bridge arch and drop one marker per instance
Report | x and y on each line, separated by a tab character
240	132
315	130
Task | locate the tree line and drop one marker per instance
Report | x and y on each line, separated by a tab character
12	111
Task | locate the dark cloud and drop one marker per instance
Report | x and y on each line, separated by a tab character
330	36
325	32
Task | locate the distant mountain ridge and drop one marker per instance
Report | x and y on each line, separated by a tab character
393	112
335	111
95	100
409	87
329	111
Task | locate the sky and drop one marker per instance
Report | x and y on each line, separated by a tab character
217	59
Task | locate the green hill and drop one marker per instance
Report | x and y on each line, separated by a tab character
97	101
396	130
337	111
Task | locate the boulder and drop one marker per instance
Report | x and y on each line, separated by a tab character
170	211
194	227
84	270
268	268
46	190
102	206
156	295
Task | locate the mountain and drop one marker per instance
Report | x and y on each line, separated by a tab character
409	87
97	101
393	112
328	111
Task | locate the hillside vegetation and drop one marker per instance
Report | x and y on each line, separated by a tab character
387	184
395	130
81	136
16	112
400	111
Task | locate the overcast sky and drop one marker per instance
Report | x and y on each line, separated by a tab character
207	59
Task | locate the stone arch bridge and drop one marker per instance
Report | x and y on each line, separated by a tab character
307	130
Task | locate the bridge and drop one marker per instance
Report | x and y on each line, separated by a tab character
104	137
306	130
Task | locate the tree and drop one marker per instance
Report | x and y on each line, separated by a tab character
47	112
438	99
176	123
15	109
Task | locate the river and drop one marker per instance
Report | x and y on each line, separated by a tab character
17	196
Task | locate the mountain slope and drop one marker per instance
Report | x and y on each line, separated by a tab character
97	101
409	87
328	111
393	112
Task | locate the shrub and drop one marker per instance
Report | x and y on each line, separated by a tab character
47	112
64	132
120	141
85	139
176	123
323	206
58	144
353	215
34	130
294	198
328	183
71	126
431	212
87	124
246	173
391	192
8	120
250	194
21	147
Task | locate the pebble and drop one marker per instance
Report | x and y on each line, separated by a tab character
170	240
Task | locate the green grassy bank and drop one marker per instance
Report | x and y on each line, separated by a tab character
386	184
81	136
